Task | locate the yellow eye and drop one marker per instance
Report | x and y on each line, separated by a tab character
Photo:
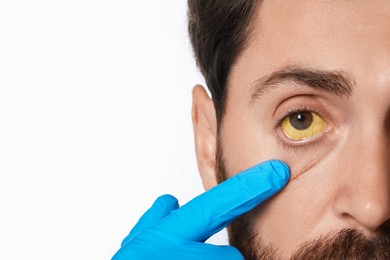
302	125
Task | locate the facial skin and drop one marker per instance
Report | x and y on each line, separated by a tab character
340	177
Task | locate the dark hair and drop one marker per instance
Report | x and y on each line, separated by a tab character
218	31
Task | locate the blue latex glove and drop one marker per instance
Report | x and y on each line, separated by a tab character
166	231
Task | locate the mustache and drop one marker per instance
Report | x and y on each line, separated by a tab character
347	244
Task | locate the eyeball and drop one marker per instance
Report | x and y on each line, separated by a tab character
302	125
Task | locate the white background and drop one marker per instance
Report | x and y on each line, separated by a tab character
95	122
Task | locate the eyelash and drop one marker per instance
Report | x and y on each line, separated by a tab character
301	147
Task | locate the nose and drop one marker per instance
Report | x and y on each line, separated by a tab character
363	199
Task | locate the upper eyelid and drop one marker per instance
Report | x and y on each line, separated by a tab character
296	110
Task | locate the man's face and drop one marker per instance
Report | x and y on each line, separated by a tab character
325	66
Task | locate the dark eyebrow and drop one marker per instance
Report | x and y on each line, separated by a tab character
337	82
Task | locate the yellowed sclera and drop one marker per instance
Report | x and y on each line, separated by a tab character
316	126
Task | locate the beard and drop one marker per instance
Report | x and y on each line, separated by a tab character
345	244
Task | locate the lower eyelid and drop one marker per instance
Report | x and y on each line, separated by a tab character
304	145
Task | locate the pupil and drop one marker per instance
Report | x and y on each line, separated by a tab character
301	120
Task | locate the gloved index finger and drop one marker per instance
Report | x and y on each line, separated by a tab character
162	207
213	210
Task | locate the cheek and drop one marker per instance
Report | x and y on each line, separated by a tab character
302	211
291	217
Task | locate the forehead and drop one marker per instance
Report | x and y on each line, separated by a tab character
355	22
349	35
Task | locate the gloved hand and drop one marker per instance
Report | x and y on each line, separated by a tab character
166	231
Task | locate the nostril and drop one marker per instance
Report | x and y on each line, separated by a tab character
385	228
347	216
387	120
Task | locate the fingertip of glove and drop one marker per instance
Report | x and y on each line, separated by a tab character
167	199
281	169
272	174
